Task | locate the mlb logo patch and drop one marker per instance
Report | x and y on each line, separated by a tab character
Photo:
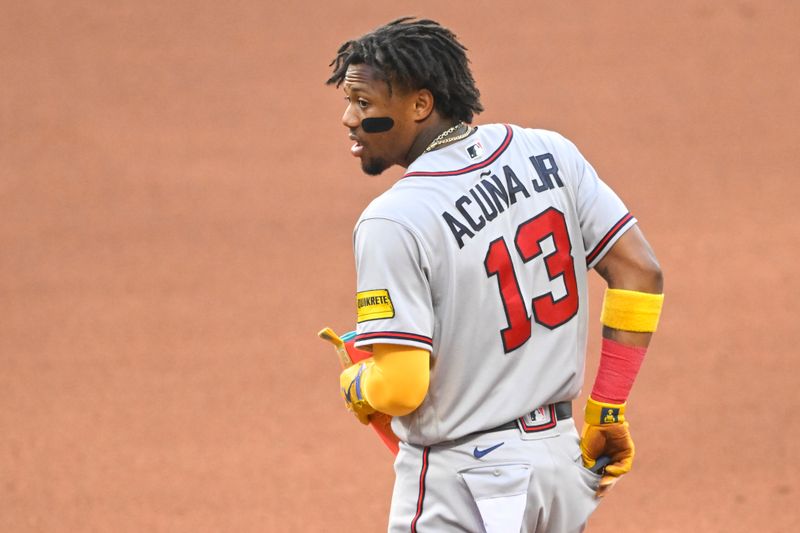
475	150
540	419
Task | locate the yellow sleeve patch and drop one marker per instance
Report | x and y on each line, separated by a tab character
373	305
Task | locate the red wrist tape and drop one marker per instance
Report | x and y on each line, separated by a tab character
619	365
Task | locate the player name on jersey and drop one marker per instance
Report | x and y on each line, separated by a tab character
493	195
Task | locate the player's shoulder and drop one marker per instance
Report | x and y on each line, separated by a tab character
387	218
552	143
384	205
392	204
542	136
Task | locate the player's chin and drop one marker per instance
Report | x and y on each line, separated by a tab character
374	166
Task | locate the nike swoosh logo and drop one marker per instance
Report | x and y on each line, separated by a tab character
480	453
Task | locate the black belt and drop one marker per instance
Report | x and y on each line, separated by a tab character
563	411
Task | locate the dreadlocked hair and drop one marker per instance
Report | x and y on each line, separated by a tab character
416	54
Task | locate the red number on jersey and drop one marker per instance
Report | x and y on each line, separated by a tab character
498	263
547	311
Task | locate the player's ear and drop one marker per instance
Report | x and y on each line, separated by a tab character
423	104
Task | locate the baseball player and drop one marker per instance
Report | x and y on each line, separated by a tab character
472	297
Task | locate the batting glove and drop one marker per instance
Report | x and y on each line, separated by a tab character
605	433
351	381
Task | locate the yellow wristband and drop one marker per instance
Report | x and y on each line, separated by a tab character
631	310
599	413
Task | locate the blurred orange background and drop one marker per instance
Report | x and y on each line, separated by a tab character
178	197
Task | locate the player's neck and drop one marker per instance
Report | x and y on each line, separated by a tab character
434	136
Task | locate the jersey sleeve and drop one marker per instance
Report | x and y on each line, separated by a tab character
393	298
602	214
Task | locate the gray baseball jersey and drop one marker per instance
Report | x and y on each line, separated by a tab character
480	254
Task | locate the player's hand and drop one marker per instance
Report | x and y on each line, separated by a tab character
606	433
351	386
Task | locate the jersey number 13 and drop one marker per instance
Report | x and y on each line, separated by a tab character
546	310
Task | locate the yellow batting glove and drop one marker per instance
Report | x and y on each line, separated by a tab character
351	382
605	433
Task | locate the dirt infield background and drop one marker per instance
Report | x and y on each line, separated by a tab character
177	200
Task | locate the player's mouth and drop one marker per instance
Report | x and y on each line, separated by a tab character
357	148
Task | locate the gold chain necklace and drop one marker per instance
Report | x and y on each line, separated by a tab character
444	139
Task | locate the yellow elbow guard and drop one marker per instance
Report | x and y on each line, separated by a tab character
631	310
398	380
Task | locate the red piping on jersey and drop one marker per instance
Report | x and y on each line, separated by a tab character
421	497
610	235
394	335
476	166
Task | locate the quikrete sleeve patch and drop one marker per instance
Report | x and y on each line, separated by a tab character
373	305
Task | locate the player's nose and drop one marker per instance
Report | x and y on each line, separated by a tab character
350	120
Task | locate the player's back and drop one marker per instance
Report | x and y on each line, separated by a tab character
484	250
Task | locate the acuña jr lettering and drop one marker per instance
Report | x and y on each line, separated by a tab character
492	195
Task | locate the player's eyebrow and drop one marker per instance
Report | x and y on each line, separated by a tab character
355	87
